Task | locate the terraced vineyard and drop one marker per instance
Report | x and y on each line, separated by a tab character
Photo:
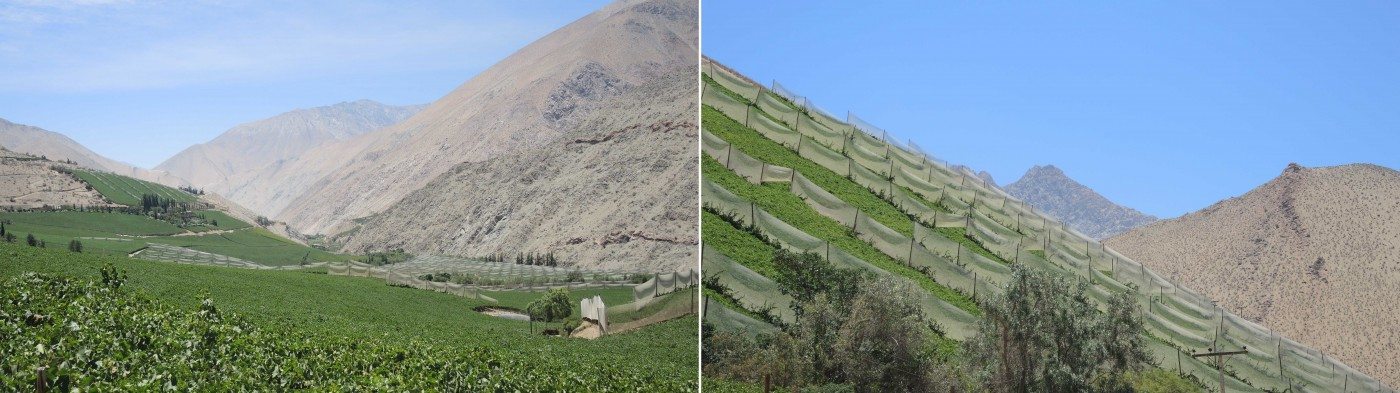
128	191
780	173
279	330
192	232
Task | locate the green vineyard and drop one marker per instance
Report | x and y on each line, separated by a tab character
780	173
128	191
192	327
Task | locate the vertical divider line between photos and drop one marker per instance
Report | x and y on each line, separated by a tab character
699	203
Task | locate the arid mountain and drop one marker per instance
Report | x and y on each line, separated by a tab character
256	144
1048	189
28	182
36	141
1313	254
528	100
241	163
616	191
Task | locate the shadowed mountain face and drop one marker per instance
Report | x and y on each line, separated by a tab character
241	163
36	141
530	99
1313	254
1048	189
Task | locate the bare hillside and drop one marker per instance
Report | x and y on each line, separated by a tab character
233	163
1313	254
527	100
618	191
40	142
1050	190
28	182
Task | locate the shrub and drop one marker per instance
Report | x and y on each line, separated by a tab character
570	324
1044	334
1159	381
111	277
553	306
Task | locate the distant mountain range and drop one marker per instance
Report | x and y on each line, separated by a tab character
1048	189
1313	254
36	141
244	163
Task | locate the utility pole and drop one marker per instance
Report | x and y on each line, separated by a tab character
1220	361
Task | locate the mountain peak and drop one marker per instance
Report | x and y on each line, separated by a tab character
1046	171
1050	190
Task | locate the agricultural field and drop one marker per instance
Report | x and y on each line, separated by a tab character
372	335
475	271
217	220
124	234
253	244
128	191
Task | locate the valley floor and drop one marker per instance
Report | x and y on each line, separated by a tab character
367	309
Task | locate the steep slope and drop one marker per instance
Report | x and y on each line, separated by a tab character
251	146
618	191
528	99
1313	254
1048	189
40	142
28	182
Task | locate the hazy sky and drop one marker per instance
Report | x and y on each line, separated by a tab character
138	81
1166	107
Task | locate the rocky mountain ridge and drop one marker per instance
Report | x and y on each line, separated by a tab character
1050	190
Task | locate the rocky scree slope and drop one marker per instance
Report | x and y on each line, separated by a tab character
27	182
617	191
1313	254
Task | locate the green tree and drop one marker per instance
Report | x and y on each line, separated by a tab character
881	346
75	245
805	276
1044	334
31	240
555	305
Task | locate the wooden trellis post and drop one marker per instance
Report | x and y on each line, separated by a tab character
1220	362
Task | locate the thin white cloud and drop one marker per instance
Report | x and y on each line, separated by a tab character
131	45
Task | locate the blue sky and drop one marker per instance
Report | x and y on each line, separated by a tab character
1166	107
138	81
